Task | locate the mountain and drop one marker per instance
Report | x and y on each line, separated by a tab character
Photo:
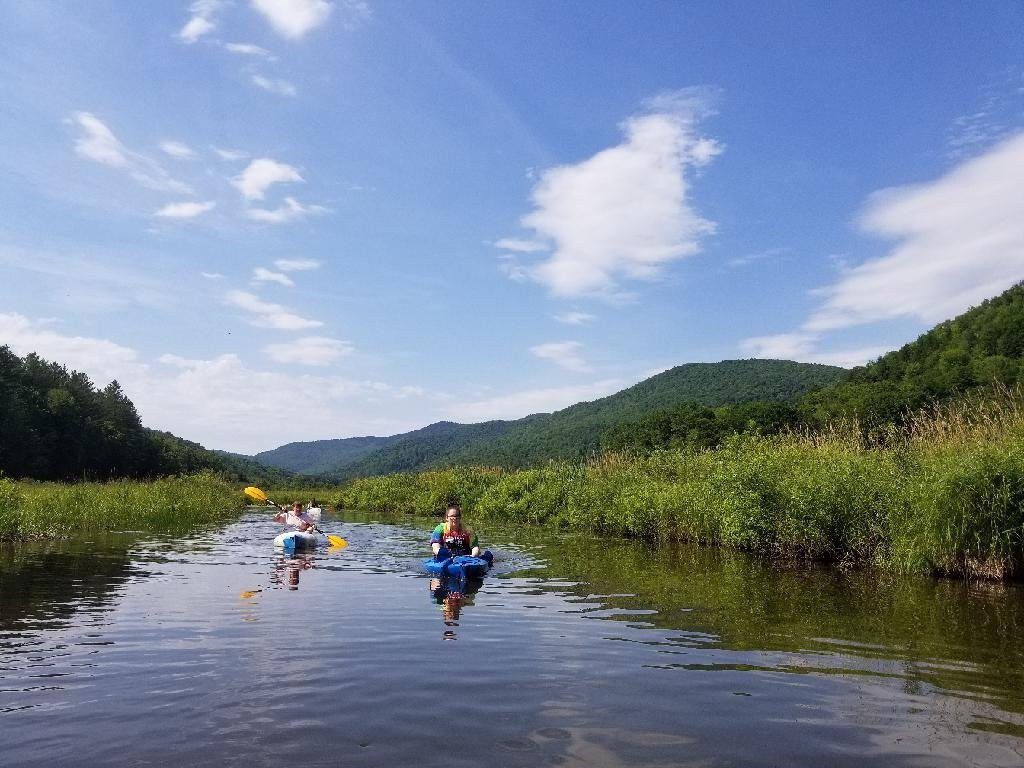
322	456
984	345
571	432
576	431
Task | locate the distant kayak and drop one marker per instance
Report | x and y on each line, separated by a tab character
462	566
295	540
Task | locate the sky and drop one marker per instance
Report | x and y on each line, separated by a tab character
285	220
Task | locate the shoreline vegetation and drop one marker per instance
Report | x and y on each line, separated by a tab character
31	509
942	494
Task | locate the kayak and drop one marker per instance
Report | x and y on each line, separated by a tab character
462	566
295	540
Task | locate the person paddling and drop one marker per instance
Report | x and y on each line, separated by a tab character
452	538
295	518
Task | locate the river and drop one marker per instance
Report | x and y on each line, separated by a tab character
208	648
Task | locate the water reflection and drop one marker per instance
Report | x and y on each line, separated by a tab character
452	594
287	568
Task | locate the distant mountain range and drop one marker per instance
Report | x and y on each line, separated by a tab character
569	433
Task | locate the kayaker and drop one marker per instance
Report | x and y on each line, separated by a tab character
452	536
295	517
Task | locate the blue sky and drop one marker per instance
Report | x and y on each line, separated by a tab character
279	220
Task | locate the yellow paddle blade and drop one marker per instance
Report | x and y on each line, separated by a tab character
337	541
255	494
249	593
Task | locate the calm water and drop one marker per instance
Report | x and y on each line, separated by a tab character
210	650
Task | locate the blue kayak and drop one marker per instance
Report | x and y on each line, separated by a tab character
461	566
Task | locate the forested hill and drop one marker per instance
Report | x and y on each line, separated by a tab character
981	346
323	455
576	431
55	425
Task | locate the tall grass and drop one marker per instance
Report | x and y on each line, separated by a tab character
945	495
30	509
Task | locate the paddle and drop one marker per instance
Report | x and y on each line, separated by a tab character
257	495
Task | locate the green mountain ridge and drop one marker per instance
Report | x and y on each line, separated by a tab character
571	432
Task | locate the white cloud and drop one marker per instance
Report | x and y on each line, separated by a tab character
294	18
177	150
99	144
101	359
201	22
223	402
296	265
230	155
521	246
248	49
309	350
279	87
186	210
515	405
575	318
262	275
564	354
625	212
960	241
267	315
260	174
292	210
212	275
802	346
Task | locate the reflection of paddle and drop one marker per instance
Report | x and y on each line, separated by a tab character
256	494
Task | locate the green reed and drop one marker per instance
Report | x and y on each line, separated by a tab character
945	495
30	509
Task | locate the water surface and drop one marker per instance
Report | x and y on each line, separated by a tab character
210	649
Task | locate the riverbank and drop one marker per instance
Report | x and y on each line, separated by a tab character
33	509
944	496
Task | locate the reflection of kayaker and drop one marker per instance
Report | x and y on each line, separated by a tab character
287	569
452	594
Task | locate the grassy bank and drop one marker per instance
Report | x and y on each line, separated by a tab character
945	496
32	509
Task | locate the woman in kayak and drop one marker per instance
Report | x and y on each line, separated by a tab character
453	537
295	517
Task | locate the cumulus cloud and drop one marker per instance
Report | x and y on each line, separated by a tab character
267	315
102	359
177	150
99	144
294	18
279	87
803	346
520	246
188	210
296	265
260	174
202	21
575	318
292	210
515	405
309	350
624	213
262	275
959	240
564	354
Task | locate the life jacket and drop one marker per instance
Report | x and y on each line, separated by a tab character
457	542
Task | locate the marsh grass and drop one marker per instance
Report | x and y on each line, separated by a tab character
31	509
943	495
